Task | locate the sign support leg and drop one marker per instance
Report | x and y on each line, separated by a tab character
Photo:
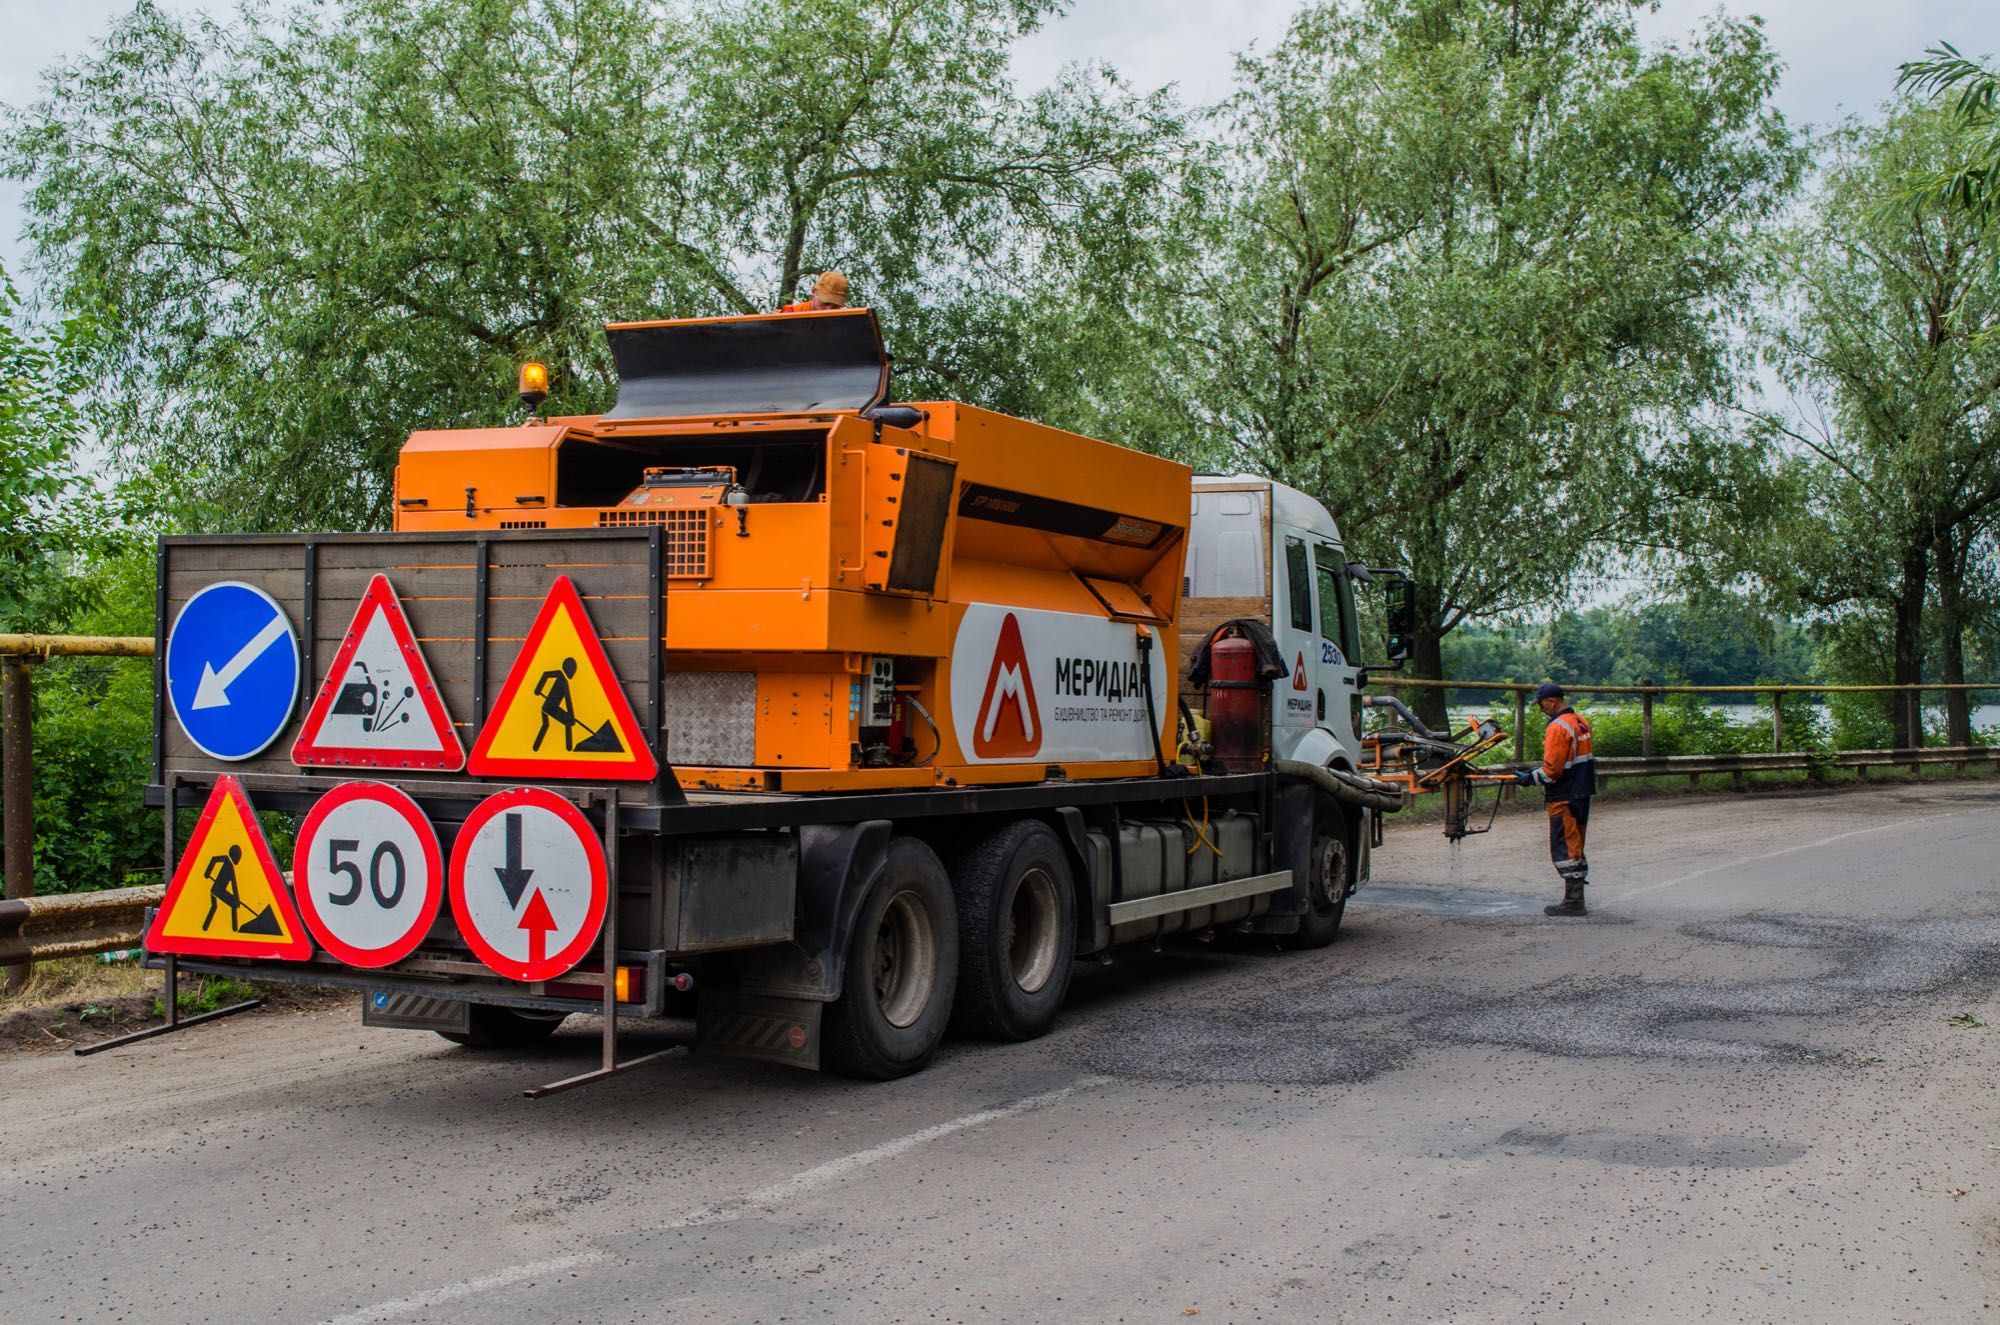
608	1063
174	1020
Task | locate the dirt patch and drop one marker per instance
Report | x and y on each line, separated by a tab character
69	1005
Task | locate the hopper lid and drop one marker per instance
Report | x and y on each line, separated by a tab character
774	363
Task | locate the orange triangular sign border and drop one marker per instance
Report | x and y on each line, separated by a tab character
640	766
308	751
296	949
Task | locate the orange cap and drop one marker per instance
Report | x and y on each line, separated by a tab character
831	286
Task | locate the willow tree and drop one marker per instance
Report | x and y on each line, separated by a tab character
1470	276
1884	325
321	227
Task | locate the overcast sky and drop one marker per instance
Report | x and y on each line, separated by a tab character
1840	55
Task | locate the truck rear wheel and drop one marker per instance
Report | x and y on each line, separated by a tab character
1330	873
1017	932
902	966
505	1028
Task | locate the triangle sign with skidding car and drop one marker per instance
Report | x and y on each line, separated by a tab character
379	706
562	712
228	898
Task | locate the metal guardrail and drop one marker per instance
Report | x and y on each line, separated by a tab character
40	929
17	769
1695	767
1912	696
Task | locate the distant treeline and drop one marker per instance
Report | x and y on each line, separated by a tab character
1721	640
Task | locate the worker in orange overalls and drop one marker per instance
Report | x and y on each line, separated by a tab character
1568	775
828	293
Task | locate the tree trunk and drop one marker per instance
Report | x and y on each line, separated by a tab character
1427	658
1951	637
1908	654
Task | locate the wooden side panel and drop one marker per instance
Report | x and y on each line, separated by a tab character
438	579
1200	616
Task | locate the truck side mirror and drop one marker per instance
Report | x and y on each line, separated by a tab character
1401	594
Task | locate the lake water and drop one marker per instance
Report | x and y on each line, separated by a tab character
1983	715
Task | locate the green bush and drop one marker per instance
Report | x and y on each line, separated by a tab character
93	751
1860	722
1682	725
93	734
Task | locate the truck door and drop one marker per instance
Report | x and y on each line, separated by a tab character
1337	679
1294	697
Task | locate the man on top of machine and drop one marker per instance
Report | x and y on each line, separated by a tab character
829	292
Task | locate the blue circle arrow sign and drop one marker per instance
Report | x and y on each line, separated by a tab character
232	670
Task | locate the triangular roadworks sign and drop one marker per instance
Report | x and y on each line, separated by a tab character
228	897
561	713
379	707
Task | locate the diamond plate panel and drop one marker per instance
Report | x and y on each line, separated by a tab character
711	718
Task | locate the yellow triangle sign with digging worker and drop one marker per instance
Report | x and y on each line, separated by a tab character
561	713
228	897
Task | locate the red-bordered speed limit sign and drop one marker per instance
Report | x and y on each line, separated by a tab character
368	873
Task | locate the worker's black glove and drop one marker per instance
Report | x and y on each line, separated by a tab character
1524	777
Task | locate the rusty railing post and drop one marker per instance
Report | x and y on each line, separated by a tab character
1646	724
1777	721
1916	725
17	786
1520	725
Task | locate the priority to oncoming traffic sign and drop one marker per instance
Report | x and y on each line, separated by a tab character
232	669
528	883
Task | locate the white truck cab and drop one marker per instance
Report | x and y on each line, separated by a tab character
1259	549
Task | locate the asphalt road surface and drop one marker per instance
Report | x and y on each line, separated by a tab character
1737	1093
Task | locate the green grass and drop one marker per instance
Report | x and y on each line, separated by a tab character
210	992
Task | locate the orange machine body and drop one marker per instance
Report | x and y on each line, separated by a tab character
999	597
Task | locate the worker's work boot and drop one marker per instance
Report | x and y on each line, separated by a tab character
1572	902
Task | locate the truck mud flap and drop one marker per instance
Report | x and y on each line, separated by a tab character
393	1010
774	1030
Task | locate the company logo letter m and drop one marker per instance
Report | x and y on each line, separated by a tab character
1010	723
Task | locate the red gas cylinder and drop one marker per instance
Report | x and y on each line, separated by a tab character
1235	706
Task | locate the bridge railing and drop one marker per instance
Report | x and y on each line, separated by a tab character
18	654
1648	764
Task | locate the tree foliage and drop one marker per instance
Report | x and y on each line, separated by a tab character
321	228
1881	322
1717	639
1968	179
48	511
1468	279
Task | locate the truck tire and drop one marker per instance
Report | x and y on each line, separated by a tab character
1330	875
902	966
1017	932
506	1028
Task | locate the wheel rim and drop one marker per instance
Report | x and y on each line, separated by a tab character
1329	889
1034	931
905	960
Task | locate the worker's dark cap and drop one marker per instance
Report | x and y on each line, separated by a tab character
1548	690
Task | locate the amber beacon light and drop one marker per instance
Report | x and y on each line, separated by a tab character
534	383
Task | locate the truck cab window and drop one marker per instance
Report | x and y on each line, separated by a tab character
1336	603
1298	584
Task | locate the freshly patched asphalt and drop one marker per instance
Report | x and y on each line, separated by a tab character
1758	1084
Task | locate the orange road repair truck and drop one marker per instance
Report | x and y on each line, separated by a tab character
827	721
